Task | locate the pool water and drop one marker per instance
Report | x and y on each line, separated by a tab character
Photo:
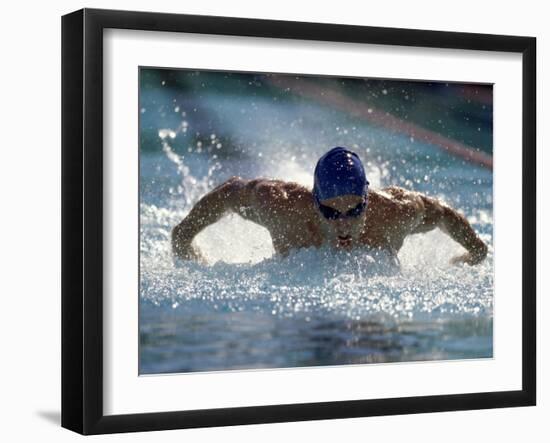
248	308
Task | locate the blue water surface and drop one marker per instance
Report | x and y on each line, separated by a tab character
248	308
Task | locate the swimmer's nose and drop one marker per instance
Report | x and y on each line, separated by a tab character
343	225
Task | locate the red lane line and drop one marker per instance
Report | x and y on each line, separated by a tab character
381	118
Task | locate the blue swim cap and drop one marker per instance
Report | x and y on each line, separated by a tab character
339	172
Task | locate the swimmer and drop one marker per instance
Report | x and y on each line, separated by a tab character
340	211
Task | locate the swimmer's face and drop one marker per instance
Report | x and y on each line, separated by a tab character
342	219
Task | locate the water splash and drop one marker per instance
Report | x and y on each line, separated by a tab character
245	275
316	305
190	188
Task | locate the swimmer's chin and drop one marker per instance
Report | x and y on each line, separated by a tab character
344	242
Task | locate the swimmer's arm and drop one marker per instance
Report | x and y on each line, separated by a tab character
208	210
437	214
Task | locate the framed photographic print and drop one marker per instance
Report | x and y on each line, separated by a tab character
269	221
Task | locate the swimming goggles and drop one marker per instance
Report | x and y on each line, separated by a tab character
333	214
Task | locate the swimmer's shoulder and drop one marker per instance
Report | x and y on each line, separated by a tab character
396	198
395	192
263	183
398	194
279	190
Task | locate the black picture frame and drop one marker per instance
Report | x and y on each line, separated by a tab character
82	218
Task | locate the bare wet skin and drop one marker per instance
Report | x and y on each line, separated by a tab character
288	211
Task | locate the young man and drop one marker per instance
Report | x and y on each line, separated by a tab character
341	211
